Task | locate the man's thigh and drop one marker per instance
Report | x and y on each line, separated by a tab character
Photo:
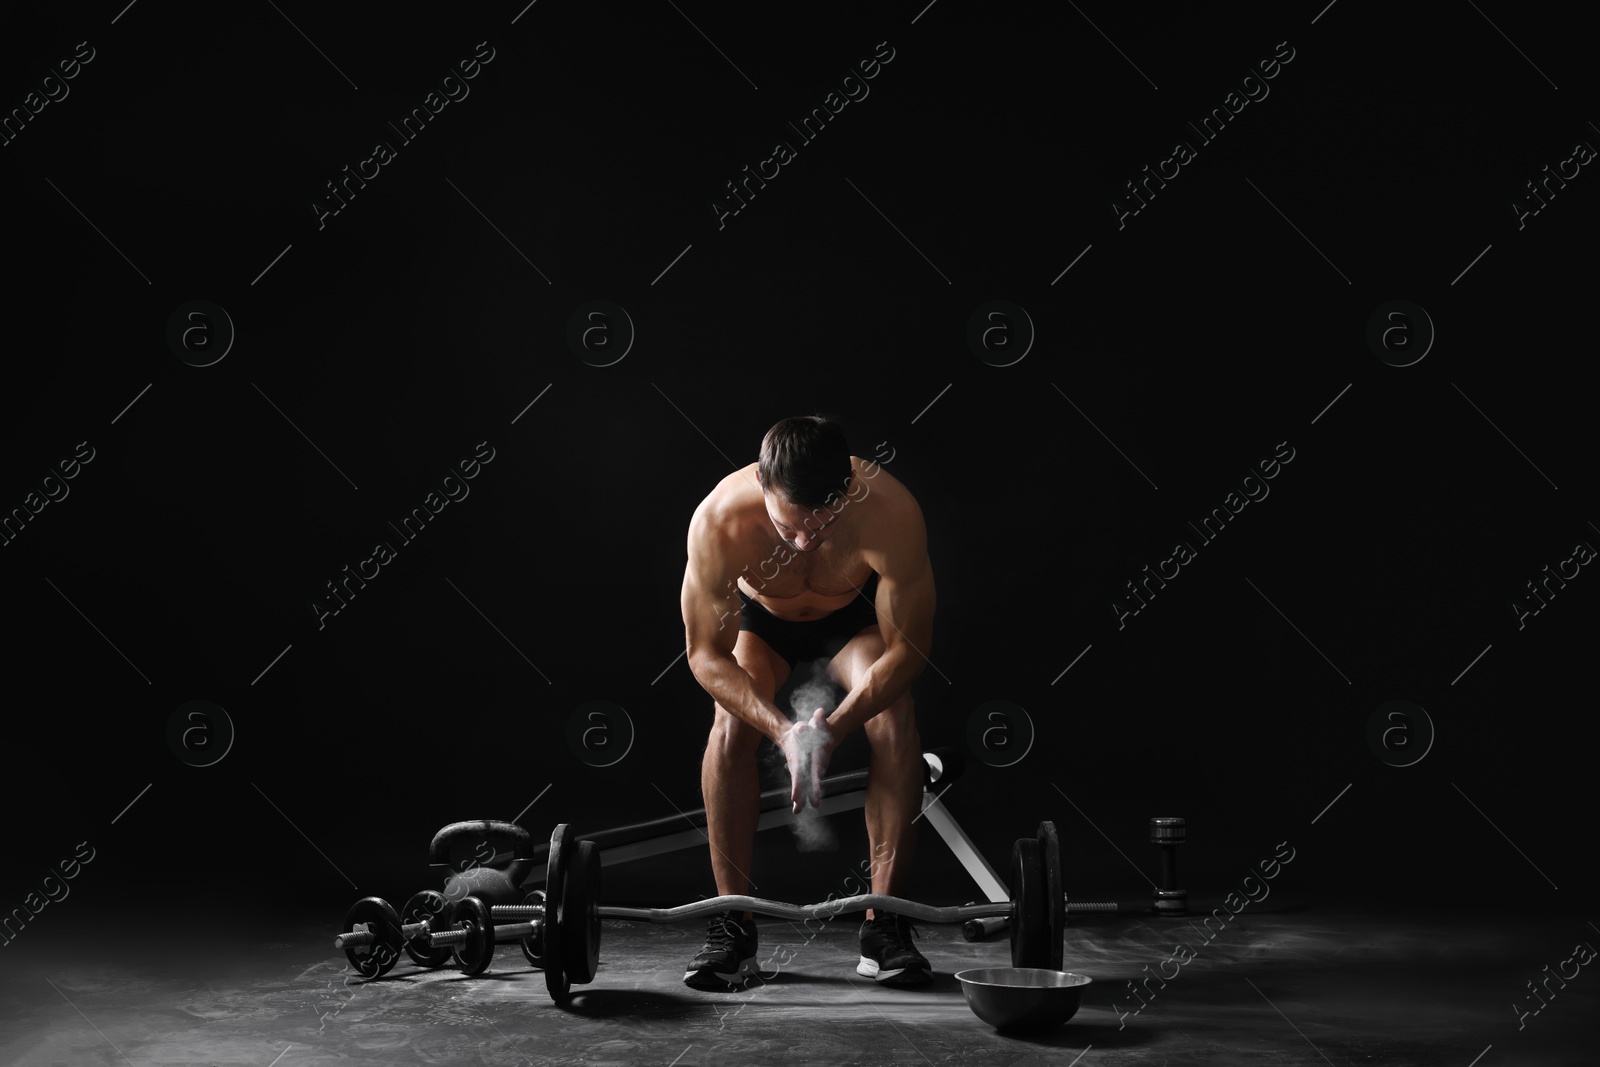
850	663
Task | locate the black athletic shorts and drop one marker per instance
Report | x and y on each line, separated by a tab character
814	638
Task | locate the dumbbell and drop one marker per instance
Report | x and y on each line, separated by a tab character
431	930
474	933
1169	834
372	925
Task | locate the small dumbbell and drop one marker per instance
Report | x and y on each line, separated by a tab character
1169	834
372	925
473	949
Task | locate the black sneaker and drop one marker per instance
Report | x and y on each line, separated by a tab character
888	955
729	957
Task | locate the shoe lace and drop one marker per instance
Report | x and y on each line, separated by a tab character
897	929
722	931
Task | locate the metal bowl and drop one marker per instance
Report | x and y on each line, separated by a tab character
1019	999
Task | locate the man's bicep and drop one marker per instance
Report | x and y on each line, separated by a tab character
710	604
905	604
906	596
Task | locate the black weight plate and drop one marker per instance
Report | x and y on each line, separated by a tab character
473	954
1055	904
1029	947
533	944
430	907
580	915
555	883
376	914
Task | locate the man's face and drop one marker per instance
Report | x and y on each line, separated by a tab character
800	527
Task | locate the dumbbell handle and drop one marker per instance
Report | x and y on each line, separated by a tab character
360	938
502	932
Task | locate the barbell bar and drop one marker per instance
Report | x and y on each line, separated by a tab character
983	919
572	911
774	909
565	925
567	921
984	928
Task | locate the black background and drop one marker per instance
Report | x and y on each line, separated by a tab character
1176	353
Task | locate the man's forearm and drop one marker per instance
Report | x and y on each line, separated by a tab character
731	686
886	680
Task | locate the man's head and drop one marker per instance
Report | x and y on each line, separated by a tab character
805	471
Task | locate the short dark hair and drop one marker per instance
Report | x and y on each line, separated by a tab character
806	460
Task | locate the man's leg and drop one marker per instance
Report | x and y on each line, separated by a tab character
894	771
731	783
729	777
894	793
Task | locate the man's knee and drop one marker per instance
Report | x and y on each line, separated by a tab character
731	735
895	727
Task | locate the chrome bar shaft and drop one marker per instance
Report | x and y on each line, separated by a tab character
778	910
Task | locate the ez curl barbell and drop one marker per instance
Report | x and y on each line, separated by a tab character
559	929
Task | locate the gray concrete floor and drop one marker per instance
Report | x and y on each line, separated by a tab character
1292	986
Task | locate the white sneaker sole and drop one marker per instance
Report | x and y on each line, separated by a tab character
869	968
739	977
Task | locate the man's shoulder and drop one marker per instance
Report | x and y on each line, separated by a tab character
894	501
727	510
894	521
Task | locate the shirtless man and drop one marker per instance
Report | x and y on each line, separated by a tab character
809	553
